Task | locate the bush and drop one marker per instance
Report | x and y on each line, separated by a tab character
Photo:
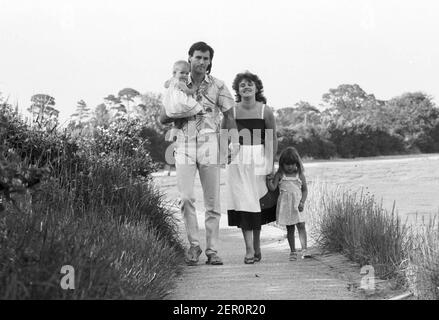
355	225
309	142
362	140
97	212
423	257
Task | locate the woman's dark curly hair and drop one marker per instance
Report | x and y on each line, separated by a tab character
249	77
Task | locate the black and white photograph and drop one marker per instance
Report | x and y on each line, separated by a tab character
219	157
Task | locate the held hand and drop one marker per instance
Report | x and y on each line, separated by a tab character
233	152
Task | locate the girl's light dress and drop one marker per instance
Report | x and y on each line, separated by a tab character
290	193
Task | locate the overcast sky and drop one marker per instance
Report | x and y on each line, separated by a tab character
87	49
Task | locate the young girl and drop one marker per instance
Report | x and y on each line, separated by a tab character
292	196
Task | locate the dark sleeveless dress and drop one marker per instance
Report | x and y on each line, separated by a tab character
247	187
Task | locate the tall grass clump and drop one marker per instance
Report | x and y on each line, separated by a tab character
423	268
71	202
356	225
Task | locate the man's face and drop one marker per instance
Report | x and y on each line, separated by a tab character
199	61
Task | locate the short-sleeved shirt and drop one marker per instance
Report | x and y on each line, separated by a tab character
215	98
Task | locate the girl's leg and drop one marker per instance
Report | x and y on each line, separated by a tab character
248	239
290	237
302	235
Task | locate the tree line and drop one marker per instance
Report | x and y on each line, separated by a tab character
348	123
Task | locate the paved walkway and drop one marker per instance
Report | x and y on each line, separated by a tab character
322	277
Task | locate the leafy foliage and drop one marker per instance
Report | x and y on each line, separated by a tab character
356	124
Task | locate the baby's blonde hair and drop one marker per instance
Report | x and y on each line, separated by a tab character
180	63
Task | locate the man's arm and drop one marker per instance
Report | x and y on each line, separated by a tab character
176	99
228	121
163	118
226	103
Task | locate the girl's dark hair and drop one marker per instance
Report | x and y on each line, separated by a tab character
203	47
249	77
291	156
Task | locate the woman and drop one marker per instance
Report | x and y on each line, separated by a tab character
246	174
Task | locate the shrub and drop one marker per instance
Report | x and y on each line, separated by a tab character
97	212
423	256
356	225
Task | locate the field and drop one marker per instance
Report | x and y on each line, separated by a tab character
412	182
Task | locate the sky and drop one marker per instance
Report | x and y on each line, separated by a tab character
87	49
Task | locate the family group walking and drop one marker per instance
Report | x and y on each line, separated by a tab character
212	129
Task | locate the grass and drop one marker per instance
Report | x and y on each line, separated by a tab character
119	249
91	212
358	226
423	267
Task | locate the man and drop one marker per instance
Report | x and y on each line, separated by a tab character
198	148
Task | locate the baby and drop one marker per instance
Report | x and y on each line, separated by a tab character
178	99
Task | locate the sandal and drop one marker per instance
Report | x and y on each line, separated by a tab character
213	259
293	256
250	260
257	257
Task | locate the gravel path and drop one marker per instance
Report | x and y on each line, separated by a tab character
273	278
323	277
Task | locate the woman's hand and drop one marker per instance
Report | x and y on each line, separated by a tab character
301	205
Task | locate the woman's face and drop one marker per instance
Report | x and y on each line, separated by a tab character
247	89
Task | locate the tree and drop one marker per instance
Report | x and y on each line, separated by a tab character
349	102
101	116
413	115
43	111
82	114
302	113
149	111
127	95
285	117
117	109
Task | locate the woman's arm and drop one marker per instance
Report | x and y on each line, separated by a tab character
304	192
270	133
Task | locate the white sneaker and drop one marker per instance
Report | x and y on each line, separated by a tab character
306	254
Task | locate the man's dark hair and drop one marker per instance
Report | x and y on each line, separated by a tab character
203	47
